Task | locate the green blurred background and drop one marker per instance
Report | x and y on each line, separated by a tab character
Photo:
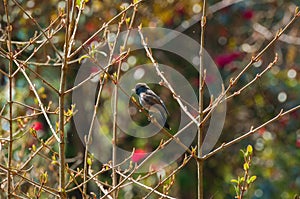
234	33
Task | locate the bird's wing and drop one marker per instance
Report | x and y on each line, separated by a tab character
155	99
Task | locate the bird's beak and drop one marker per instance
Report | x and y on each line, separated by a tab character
133	90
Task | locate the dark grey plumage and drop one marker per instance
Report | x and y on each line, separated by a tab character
151	102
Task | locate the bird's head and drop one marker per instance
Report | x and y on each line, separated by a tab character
140	88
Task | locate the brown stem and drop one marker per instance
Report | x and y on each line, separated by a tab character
61	104
201	94
10	102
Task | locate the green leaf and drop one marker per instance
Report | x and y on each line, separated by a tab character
78	3
83	57
101	52
44	177
33	132
81	3
252	179
89	161
246	154
249	149
33	147
246	166
127	20
297	10
242	179
234	181
243	152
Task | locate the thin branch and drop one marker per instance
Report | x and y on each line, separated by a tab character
103	70
143	185
50	190
85	182
201	94
88	140
110	62
268	35
103	170
10	101
164	79
56	64
48	143
250	132
104	26
26	106
61	102
41	105
34	39
3	108
39	27
185	161
72	38
43	80
115	114
100	185
254	79
254	59
121	57
3	73
101	81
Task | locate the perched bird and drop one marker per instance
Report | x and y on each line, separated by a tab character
152	103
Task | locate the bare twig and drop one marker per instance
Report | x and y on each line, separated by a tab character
34	39
49	190
268	35
145	186
10	102
88	139
41	105
100	185
105	25
61	108
254	59
254	79
201	97
39	27
115	115
250	132
164	79
185	161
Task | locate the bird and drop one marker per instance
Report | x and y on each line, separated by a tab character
150	101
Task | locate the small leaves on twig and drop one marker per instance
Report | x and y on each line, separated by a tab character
80	4
297	12
242	184
44	178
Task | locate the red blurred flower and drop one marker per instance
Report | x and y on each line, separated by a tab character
223	31
247	14
179	8
37	126
94	69
138	155
209	79
224	59
284	120
261	131
90	27
295	115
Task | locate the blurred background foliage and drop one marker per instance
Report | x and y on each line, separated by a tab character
234	34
